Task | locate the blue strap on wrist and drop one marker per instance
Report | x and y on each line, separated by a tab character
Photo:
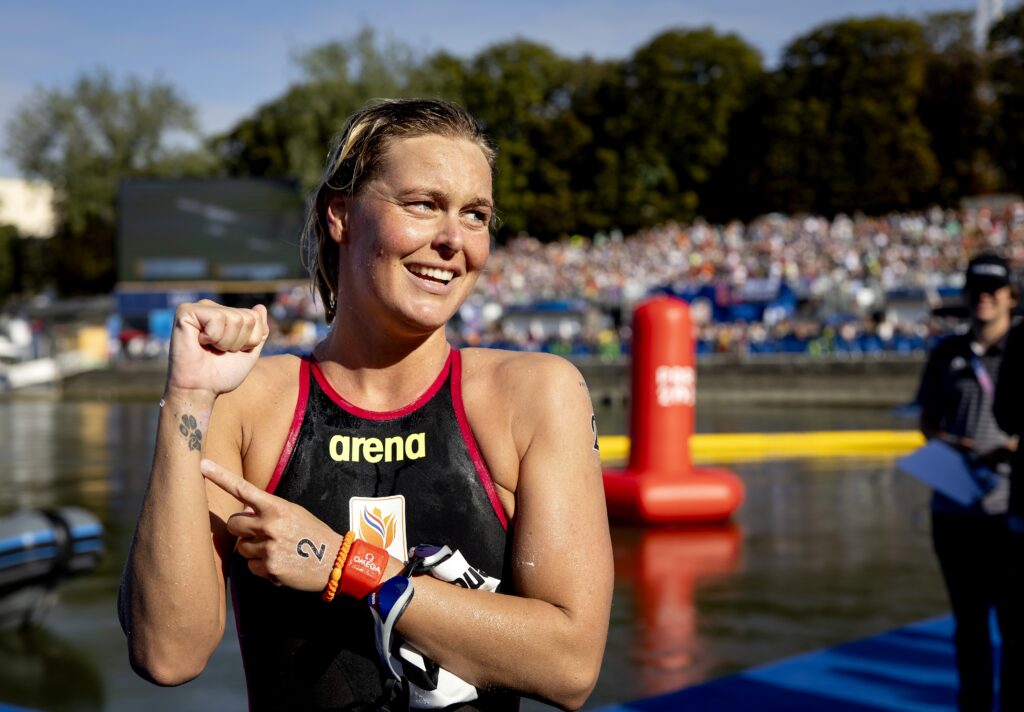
387	604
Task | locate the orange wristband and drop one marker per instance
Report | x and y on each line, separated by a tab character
363	570
339	564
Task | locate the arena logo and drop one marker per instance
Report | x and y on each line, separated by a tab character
345	448
676	385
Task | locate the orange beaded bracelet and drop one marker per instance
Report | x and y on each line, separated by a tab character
339	565
364	569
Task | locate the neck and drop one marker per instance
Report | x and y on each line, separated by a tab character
378	372
990	332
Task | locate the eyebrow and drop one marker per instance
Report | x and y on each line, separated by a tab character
482	203
441	196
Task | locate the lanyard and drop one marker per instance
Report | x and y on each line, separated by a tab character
984	380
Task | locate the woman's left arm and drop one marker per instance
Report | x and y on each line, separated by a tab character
547	641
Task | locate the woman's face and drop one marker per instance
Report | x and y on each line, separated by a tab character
414	240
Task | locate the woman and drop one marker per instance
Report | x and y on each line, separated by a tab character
973	541
384	431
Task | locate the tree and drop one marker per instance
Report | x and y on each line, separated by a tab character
587	140
684	88
8	259
24	264
953	110
84	141
520	92
844	132
288	137
1006	42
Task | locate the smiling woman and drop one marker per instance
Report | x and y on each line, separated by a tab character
421	227
383	444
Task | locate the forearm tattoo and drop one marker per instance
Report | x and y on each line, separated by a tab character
189	428
318	553
593	423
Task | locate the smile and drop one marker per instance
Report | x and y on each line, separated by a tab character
433	274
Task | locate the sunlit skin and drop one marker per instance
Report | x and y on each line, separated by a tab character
411	245
430	207
990	309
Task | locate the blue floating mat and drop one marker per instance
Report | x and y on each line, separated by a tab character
909	669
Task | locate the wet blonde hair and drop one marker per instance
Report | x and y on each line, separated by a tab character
355	158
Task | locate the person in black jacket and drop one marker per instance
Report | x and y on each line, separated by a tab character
973	542
1009	411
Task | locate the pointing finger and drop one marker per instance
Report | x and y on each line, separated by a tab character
241	523
239	488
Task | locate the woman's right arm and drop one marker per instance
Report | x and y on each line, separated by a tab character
172	601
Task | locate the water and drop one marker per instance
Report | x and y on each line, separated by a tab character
821	552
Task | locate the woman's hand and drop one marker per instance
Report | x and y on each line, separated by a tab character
283	542
213	347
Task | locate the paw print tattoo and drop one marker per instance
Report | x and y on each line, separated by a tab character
190	429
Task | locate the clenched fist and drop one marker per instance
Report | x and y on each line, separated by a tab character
213	347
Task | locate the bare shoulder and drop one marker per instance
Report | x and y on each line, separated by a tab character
534	390
519	372
518	402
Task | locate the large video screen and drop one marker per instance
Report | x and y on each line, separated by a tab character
225	230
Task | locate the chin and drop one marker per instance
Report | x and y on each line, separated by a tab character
427	323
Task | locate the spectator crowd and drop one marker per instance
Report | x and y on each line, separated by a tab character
780	284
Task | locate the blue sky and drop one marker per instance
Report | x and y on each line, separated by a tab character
227	58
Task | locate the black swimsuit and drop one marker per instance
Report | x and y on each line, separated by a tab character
301	653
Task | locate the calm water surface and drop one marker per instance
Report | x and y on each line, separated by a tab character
821	552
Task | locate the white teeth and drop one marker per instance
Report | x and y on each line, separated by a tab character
442	275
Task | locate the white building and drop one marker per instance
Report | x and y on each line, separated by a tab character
28	205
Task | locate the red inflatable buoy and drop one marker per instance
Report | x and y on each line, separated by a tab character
660	483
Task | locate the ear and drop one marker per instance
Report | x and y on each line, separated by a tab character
336	217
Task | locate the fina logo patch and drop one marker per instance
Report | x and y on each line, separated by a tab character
380	521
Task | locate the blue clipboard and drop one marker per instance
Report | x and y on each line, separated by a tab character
944	468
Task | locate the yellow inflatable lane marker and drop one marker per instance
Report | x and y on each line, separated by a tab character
747	447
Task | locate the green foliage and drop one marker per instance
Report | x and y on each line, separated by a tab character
8	274
1007	76
24	264
288	137
582	145
868	114
952	108
844	131
84	141
521	94
684	88
863	115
